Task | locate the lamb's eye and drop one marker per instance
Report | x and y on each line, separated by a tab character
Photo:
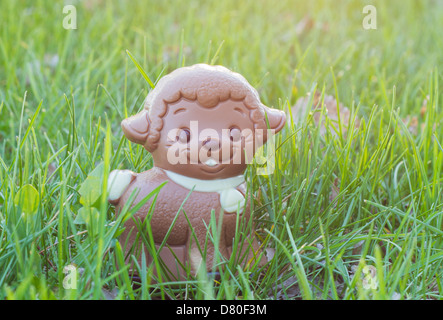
184	135
235	134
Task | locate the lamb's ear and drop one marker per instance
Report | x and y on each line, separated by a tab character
276	118
136	127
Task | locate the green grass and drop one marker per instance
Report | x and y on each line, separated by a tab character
59	120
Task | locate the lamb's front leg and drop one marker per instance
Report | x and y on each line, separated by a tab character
118	182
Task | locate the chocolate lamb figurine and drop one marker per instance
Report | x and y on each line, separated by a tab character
202	124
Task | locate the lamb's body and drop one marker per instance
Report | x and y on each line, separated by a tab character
196	209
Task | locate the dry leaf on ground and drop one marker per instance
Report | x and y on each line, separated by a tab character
301	107
412	122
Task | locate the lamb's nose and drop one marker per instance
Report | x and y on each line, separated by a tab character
211	144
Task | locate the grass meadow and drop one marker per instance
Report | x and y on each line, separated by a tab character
354	209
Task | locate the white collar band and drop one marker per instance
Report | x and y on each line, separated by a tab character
199	185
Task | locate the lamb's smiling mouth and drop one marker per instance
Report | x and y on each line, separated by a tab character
213	171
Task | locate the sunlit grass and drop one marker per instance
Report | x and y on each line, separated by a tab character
367	192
